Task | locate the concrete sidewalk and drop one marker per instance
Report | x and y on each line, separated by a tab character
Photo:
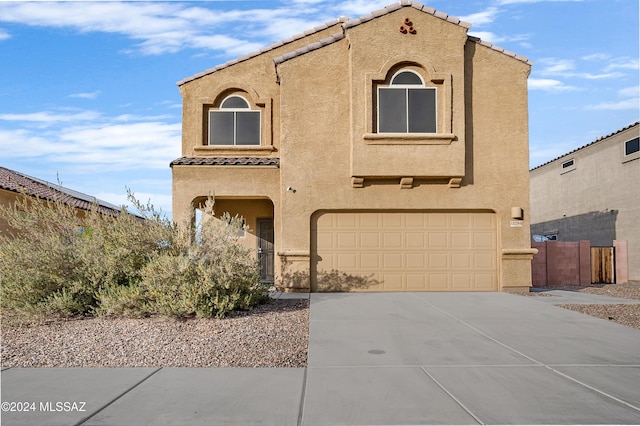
413	358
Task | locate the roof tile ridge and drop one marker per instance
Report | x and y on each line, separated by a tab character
499	49
399	5
265	49
309	48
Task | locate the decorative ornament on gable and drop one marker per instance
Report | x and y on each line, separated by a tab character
407	27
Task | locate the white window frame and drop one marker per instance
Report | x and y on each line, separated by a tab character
406	87
235	111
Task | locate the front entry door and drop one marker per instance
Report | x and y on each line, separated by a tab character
265	249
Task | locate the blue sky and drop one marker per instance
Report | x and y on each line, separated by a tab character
88	94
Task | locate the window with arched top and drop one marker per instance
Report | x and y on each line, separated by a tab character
406	105
234	123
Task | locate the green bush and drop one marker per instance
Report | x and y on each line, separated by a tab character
57	264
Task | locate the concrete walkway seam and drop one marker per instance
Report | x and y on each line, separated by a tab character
441	386
144	379
302	397
593	389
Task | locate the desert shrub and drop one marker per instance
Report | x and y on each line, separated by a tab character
123	301
207	278
57	264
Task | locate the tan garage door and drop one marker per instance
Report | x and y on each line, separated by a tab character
404	251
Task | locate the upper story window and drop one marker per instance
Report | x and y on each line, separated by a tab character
632	146
234	123
407	105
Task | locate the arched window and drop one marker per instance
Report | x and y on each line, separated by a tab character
234	123
406	105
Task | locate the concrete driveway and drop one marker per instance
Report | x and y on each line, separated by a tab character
412	358
466	358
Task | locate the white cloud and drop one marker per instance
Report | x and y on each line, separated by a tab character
566	68
633	91
49	118
114	143
549	85
630	101
493	38
86	95
596	57
481	18
557	66
623	63
160	27
357	8
4	35
505	2
168	27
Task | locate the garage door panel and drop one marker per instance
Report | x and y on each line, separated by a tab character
370	220
346	220
484	281
392	220
460	260
370	240
438	220
461	281
438	281
370	261
392	281
483	240
415	240
438	260
416	221
346	240
416	282
460	240
483	221
410	251
325	240
392	260
347	261
392	240
460	220
438	240
415	260
484	261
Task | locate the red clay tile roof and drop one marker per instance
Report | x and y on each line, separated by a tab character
226	161
346	24
17	182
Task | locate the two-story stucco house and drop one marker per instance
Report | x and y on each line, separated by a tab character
384	153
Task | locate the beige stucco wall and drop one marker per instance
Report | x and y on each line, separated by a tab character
600	185
322	132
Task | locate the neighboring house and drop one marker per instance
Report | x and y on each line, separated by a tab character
384	153
14	185
592	194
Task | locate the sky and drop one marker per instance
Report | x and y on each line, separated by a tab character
88	94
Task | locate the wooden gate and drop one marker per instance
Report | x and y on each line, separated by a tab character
603	265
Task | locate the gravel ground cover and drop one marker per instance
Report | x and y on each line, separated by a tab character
628	315
271	335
